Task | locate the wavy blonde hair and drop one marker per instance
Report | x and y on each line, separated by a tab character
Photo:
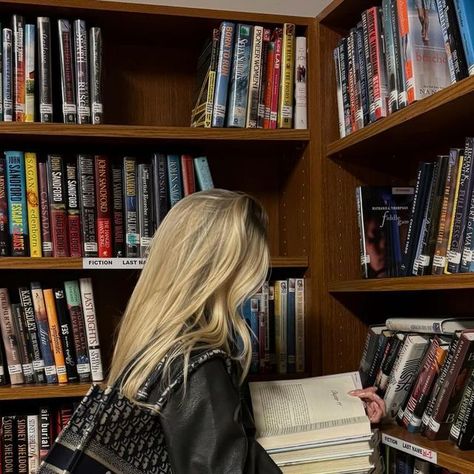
207	257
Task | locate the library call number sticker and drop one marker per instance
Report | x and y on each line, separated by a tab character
413	449
114	263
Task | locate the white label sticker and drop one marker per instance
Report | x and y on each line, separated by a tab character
90	246
14	369
113	263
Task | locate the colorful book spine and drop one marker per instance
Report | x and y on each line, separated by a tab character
73	211
265	340
9	456
203	173
360	44
267	35
132	235
4	227
301	108
117	204
17	209
33	443
281	298
44	70
390	57
73	300
30	72
22	444
285	103
174	179
277	74
85	173
32	199
255	79
367	27
18	24
300	325
103	206
399	61
465	15
270	66
43	330
23	343
464	412
57	205
145	207
224	67
7	58
160	187
81	60
291	326
239	86
95	44
357	118
1	72
66	61
92	331
187	169
46	238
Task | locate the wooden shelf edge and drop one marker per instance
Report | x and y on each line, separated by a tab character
421	283
413	111
30	392
442	453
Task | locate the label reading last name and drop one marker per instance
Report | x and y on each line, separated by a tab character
113	263
413	449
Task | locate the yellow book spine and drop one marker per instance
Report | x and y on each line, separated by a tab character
55	335
285	105
32	198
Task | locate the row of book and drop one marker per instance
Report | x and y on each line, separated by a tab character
90	206
425	230
423	368
275	316
27	437
50	335
28	71
399	462
250	76
399	53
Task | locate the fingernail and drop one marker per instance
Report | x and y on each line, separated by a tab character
352	392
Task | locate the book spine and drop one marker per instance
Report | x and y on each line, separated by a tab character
364	258
160	187
46	435
67	340
95	44
300	325
367	27
92	331
277	77
262	330
203	173
455	42
17	210
43	330
4	226
145	208
390	57
23	343
117	198
10	339
465	20
174	179
73	212
187	169
81	59
441	7
301	112
68	88
7	75
47	243
465	410
291	326
362	71
354	97
265	338
271	328
224	67
211	87
383	376
239	86
9	445
30	72
73	300
262	93
85	173
285	104
256	65
399	62
377	54
18	24
466	434
132	236
1	72
270	65
340	103
103	208
57	205
22	444
32	198
44	70
33	443
34	340
250	310
281	313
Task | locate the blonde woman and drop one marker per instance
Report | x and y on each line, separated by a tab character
208	256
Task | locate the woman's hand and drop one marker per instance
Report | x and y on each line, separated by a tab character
375	406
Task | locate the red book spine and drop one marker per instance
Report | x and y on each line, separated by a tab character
278	38
103	207
46	240
373	47
267	101
187	168
73	212
404	31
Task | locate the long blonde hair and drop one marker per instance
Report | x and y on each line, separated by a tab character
207	257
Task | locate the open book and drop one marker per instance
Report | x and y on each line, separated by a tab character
309	412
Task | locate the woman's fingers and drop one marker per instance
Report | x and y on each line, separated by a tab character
374	404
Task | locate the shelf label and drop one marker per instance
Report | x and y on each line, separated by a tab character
410	448
113	263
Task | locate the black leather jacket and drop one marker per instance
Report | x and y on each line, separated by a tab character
211	429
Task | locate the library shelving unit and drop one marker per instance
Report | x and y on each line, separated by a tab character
150	60
383	153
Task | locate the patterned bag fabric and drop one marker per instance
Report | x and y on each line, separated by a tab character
109	434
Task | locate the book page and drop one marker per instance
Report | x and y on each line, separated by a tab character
312	410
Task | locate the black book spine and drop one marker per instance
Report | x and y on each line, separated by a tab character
117	198
85	171
160	187
95	42
132	236
345	85
81	57
399	63
29	313
66	335
46	434
4	230
464	438
368	65
23	343
9	445
7	57
3	368
68	89
145	207
22	444
364	90
44	70
261	92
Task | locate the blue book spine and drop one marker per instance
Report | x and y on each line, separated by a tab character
291	326
132	235
175	183
224	65
465	14
250	312
203	173
17	211
239	88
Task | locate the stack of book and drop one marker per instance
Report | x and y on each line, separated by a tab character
423	230
50	335
250	76
275	317
399	53
423	368
399	462
28	82
314	426
88	206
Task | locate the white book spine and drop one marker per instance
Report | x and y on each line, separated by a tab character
255	77
33	444
281	295
301	110
299	326
92	330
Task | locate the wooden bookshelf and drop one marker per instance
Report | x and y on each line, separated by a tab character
29	392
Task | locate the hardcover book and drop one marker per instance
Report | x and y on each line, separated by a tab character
281	328
7	58
44	69
160	187
30	72
285	103
264	85
66	61
145	207
132	236
117	205
4	226
203	173
103	206
73	212
46	238
23	343
300	84
174	179
81	60
255	78
32	200
96	72
18	27
277	38
465	16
